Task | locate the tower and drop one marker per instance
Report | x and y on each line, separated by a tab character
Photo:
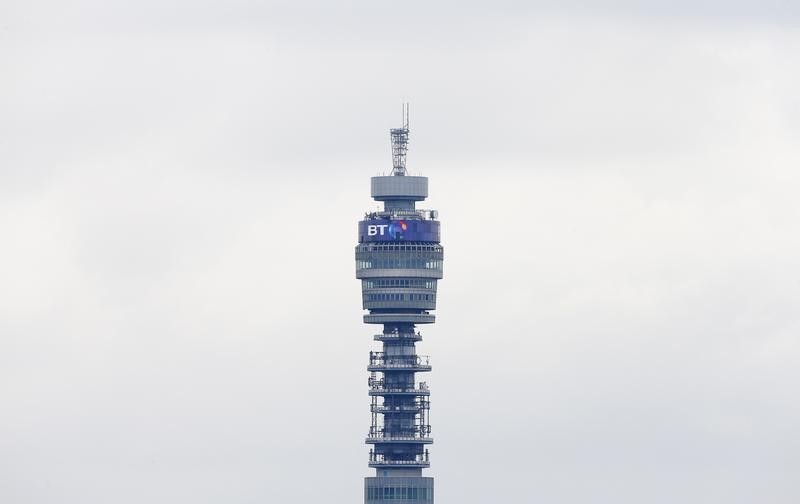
399	261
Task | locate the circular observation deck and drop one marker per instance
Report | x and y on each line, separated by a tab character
381	362
380	390
401	408
398	337
390	318
389	187
383	463
417	368
398	439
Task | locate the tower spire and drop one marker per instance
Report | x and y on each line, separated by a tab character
400	145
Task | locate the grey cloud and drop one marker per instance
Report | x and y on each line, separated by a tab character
179	186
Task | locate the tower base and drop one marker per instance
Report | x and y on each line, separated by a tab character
398	489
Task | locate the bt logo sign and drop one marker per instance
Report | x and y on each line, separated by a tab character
377	229
393	230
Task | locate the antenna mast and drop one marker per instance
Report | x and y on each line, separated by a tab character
400	145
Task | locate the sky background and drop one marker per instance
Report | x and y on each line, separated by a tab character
617	183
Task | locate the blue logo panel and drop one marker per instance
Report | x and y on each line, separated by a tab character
383	230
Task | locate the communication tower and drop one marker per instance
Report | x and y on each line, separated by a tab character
399	262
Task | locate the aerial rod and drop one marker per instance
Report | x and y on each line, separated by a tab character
400	144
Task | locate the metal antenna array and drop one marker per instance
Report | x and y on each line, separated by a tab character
400	145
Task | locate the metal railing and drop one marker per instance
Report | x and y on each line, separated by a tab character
383	360
415	431
378	386
420	213
376	459
406	463
398	439
414	408
396	366
378	390
397	336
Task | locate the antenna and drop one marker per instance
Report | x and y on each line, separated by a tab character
400	145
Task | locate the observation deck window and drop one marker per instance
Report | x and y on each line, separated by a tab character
399	247
403	263
384	283
400	297
399	493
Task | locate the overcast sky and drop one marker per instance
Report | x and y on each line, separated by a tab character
617	183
